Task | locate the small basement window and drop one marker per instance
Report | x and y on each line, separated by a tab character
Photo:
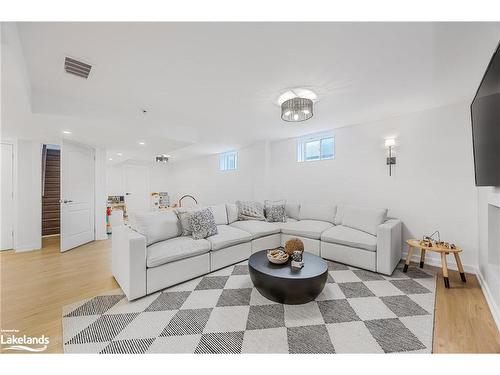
228	161
316	147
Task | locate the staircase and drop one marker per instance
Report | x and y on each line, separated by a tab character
51	192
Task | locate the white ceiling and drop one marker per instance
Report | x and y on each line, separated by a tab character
210	87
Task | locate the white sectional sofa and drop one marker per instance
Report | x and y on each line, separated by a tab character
152	254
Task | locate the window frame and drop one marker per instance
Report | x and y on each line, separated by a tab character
225	161
319	137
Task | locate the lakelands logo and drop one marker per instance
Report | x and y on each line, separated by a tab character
11	340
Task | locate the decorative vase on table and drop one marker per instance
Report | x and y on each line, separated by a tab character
294	244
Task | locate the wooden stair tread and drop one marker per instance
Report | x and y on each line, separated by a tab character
51	209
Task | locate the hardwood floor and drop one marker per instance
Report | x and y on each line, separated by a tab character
36	285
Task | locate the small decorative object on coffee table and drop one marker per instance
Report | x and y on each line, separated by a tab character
442	247
277	256
294	244
297	261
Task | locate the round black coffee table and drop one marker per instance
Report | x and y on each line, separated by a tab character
280	283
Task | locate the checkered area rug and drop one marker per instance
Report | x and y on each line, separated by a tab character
357	312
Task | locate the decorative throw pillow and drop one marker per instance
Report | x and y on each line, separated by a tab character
203	223
250	210
184	215
275	211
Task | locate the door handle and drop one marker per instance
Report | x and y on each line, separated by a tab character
65	201
128	193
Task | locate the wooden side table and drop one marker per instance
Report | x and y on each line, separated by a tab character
415	244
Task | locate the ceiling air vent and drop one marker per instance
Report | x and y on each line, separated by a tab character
77	68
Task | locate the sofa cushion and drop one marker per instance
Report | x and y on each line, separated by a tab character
175	249
292	210
232	212
156	226
288	220
306	228
220	214
343	235
365	219
257	228
250	210
184	215
228	236
321	212
203	223
275	211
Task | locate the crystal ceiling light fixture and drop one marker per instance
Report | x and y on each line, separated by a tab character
297	104
297	110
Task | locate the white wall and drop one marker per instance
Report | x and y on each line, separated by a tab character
27	197
202	178
489	248
160	177
100	194
432	187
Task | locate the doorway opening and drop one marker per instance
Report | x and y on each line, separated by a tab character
51	190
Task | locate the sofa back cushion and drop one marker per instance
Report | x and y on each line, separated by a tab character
250	210
220	214
292	210
156	226
322	212
184	215
232	212
275	211
364	219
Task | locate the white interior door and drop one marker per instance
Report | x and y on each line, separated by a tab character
77	195
136	185
7	198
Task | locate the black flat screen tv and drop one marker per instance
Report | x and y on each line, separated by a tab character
485	114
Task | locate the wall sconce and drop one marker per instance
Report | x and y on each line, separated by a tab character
390	143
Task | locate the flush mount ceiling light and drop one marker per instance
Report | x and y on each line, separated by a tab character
297	109
297	104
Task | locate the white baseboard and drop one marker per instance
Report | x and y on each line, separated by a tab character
495	310
22	249
432	259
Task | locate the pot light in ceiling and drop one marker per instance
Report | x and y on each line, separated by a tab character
142	143
110	159
67	132
119	154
